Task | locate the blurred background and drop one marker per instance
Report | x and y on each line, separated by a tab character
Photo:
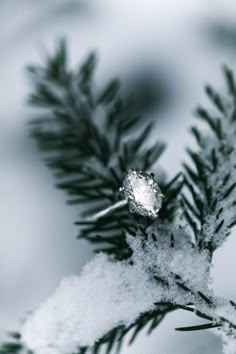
164	51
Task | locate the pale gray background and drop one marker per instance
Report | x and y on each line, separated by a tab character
38	245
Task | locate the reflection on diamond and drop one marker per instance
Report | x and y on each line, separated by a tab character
143	193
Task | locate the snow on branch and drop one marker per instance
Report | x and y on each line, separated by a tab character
110	293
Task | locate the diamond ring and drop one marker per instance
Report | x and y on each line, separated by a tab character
142	194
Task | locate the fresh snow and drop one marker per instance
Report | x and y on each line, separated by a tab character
109	293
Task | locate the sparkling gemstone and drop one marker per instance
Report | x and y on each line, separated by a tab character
142	193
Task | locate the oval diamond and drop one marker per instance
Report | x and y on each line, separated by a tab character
142	193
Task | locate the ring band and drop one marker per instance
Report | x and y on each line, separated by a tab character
141	193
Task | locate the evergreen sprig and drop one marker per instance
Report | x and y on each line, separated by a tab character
210	179
13	345
86	137
87	141
113	340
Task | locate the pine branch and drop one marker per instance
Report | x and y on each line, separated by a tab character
114	339
211	184
13	345
210	202
87	142
90	164
204	306
86	139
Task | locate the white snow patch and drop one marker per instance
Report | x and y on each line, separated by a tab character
85	307
109	293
